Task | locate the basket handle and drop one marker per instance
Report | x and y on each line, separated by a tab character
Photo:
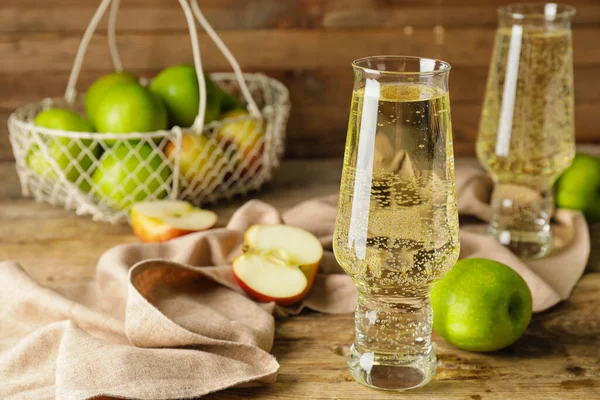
253	108
70	91
112	38
198	125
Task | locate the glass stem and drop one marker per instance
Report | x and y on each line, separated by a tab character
521	219
392	348
394	328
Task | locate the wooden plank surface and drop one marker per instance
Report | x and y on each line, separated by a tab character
320	104
557	358
307	44
267	49
161	15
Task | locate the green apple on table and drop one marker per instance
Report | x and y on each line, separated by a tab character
178	87
65	152
481	305
100	87
579	187
120	180
129	107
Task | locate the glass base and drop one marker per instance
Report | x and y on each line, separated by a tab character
526	245
391	374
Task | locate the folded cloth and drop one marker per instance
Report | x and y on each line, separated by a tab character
168	321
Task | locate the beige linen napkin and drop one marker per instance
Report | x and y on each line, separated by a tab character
160	321
168	321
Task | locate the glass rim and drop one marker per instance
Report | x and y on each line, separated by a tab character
521	11
445	67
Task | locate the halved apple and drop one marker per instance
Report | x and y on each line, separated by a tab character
162	220
279	263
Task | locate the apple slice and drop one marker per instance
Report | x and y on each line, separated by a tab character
279	263
162	220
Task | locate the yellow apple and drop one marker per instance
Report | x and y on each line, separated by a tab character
246	137
199	157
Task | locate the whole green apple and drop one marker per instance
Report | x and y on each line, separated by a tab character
65	152
178	87
125	175
130	107
579	186
100	87
481	305
230	103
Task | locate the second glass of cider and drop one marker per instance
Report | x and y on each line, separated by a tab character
526	134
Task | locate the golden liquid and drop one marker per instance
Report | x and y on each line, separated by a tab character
397	222
538	144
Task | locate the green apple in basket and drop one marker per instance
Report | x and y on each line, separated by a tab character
178	87
481	305
100	87
579	186
129	107
72	156
131	172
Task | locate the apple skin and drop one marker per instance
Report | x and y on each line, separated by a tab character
230	102
310	271
178	87
198	155
115	180
481	305
244	137
100	87
579	187
63	149
129	107
152	230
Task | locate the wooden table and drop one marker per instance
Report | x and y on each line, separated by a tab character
557	358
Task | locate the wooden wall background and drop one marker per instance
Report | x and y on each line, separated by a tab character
308	44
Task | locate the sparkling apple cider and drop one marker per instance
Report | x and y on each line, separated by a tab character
538	145
526	134
397	222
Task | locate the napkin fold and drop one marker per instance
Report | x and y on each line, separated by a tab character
168	320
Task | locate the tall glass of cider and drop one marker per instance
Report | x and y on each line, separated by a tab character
396	229
526	133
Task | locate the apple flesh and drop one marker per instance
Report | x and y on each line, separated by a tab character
481	305
279	263
162	220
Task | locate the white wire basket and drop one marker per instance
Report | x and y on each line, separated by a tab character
103	174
